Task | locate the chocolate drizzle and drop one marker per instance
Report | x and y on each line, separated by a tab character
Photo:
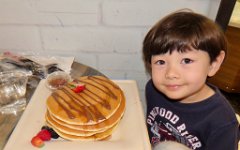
103	102
85	102
86	112
106	81
111	94
94	111
55	96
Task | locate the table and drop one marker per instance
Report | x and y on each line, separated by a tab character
132	122
9	121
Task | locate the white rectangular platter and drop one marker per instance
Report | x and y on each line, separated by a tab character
131	134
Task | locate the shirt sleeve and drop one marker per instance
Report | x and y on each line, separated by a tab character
225	138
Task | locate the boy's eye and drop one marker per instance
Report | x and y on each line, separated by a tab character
186	61
160	62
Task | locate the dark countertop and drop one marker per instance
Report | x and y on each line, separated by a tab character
9	121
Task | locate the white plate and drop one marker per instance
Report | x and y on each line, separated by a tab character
131	134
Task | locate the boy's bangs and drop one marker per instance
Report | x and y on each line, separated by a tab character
170	44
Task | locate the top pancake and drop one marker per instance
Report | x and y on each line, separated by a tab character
97	102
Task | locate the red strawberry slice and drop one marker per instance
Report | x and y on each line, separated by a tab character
79	88
37	141
44	134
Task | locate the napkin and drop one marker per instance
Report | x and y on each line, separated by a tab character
63	63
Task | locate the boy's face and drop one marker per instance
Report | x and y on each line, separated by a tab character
182	75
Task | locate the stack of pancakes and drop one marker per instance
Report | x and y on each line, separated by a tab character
91	114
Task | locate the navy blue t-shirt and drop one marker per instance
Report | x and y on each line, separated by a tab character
210	124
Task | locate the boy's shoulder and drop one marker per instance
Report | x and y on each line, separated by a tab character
221	107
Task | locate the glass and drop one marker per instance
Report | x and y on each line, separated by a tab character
12	91
57	79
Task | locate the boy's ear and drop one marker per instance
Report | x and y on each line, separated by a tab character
215	66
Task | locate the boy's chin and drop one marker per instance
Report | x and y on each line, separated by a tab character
173	97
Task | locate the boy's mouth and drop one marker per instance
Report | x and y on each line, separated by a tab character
172	87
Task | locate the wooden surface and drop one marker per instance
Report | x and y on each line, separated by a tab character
228	77
9	121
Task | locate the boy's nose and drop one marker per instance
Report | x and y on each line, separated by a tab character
172	72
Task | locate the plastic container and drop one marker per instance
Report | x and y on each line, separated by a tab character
12	91
57	79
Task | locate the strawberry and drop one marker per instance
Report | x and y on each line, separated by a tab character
76	86
37	142
44	134
79	88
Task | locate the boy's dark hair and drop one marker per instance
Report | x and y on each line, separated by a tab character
183	31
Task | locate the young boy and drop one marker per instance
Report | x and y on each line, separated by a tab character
180	52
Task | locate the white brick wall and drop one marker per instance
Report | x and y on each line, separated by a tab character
104	34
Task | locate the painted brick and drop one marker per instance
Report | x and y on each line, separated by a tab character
71	12
68	6
33	13
213	5
23	12
19	38
145	13
86	58
124	62
92	39
140	77
82	57
75	19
